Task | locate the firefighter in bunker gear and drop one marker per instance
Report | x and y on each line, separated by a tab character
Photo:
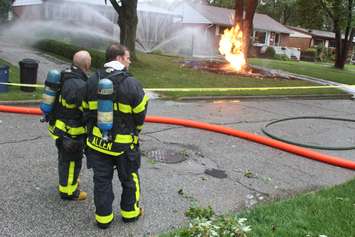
66	126
121	151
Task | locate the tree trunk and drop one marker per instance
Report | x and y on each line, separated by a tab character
338	44
127	21
248	25
343	44
131	26
348	38
239	12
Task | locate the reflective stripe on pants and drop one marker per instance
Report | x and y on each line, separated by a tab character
103	167
68	171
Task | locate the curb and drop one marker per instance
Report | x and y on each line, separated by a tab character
20	102
284	97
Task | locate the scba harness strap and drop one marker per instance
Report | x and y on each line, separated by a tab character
118	142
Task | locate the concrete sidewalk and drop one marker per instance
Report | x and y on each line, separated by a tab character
15	53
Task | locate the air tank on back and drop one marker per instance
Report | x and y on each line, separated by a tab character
105	107
52	87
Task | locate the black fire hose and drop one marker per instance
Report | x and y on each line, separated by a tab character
265	130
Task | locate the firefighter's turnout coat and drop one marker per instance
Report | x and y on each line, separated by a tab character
66	126
122	150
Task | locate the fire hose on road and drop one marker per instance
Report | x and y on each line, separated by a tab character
333	160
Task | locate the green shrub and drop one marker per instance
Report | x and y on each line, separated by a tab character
68	50
281	57
203	222
270	52
197	212
309	55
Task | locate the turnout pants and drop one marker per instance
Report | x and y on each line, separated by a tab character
69	166
103	167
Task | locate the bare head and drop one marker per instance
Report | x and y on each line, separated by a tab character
118	52
82	59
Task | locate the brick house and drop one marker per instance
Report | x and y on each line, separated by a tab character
212	21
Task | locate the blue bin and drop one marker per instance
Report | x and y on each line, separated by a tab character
4	77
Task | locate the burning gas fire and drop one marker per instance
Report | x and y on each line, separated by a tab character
230	46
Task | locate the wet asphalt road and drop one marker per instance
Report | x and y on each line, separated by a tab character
228	173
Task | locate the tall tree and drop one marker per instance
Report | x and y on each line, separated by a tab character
341	13
245	21
127	21
5	6
309	15
281	10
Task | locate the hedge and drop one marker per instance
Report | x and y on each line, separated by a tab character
68	50
309	55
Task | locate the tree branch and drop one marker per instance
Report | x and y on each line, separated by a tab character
324	5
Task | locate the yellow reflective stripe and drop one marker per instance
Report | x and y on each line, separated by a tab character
140	127
96	132
70	130
84	105
92	105
136	211
55	137
71	174
124	108
126	139
51	128
138	192
120	138
130	214
104	219
70	188
112	153
141	107
51	132
66	104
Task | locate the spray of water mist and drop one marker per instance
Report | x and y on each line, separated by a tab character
95	26
167	34
61	22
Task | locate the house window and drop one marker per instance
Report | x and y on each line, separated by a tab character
318	42
274	39
332	44
260	37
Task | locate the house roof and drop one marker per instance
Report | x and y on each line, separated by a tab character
298	34
317	33
26	2
205	14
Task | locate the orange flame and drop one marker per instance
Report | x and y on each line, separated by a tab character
230	46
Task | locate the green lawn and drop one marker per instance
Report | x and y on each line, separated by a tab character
15	93
329	212
156	71
320	70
